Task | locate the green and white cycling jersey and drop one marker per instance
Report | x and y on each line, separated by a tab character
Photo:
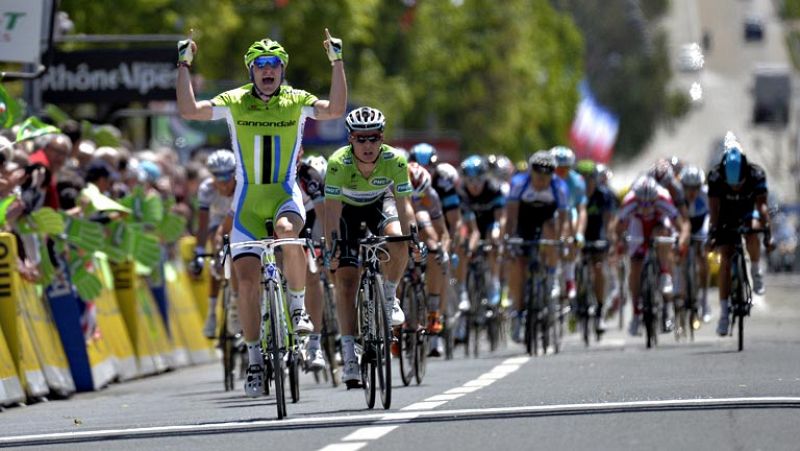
266	138
345	183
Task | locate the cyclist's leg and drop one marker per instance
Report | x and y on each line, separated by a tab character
210	326
314	301
726	253
753	244
701	257
636	251
290	219
517	268
664	253
395	267
549	255
435	272
570	257
346	285
598	275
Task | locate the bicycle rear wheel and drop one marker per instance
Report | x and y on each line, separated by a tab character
226	343
383	351
293	364
648	307
421	338
738	296
367	337
407	340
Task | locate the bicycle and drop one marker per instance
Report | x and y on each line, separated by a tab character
481	315
585	301
651	298
413	333
374	331
688	314
329	334
278	340
227	339
741	293
540	308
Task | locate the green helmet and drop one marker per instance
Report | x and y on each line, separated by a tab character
265	47
587	168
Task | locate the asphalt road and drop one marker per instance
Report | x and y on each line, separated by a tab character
614	395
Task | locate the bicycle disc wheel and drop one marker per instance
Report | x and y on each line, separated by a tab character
407	339
647	306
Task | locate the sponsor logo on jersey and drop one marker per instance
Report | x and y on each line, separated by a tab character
388	155
267	123
347	160
404	188
332	190
380	181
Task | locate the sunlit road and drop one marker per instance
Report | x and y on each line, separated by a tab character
613	395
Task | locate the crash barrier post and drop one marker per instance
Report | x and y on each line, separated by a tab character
111	325
15	329
10	387
199	285
187	324
144	324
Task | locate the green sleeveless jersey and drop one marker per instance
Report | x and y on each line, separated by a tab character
265	136
344	182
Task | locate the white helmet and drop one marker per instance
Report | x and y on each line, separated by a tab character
420	178
692	176
646	189
319	163
221	161
564	156
365	119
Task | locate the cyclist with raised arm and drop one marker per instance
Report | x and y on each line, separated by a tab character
737	197
366	182
311	179
696	192
484	203
433	230
214	199
537	208
647	210
576	221
600	209
265	118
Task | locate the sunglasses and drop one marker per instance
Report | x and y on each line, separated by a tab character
473	179
271	61
646	204
371	138
223	176
542	170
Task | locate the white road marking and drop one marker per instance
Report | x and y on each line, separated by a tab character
344	420
462	390
516	361
479	383
445	397
344	446
424	405
370	433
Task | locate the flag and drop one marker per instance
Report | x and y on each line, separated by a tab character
594	129
33	127
9	109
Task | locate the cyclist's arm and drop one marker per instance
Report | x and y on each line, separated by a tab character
202	228
763	210
405	213
440	227
582	219
713	212
223	229
500	220
188	106
512	215
333	212
454	219
337	105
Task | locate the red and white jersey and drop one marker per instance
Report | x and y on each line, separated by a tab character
664	207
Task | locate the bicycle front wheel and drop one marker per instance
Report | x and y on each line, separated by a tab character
275	345
383	345
407	341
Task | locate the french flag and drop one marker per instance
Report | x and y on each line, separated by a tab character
594	129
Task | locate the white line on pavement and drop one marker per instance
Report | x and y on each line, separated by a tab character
344	420
445	397
424	405
370	433
352	446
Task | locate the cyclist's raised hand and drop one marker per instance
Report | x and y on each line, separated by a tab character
333	47
187	49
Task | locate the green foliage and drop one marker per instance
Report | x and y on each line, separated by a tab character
790	9
503	75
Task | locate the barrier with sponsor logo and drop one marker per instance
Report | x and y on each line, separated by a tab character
187	324
200	286
17	335
141	318
10	387
111	325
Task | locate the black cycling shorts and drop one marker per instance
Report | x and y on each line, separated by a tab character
376	216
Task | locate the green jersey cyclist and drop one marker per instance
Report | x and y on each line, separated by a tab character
366	182
265	118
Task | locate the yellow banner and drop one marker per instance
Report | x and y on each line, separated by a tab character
111	325
199	286
187	325
10	386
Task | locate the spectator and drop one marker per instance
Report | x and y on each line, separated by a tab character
52	157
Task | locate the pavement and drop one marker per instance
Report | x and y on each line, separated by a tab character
615	394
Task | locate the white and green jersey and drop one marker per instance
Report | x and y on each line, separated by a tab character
344	182
265	136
